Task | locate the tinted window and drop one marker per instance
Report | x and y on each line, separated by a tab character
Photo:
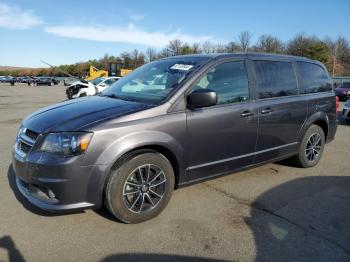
228	80
275	79
155	81
313	78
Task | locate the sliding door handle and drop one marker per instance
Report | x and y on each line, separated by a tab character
247	114
266	111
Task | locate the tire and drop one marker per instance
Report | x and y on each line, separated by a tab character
134	204
308	157
51	83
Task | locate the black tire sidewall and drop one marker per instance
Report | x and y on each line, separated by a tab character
115	185
302	160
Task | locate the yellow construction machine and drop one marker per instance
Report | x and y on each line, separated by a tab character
114	70
95	73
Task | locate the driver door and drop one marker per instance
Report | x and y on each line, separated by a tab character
222	138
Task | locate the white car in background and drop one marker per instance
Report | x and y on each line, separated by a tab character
80	88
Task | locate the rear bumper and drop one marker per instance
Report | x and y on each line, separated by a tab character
59	186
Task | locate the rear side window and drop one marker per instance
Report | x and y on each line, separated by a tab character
229	80
275	79
313	78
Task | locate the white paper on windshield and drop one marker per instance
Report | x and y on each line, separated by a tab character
181	67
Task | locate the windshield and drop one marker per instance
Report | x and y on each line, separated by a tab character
97	80
154	82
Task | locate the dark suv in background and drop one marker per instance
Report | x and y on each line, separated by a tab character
43	80
171	123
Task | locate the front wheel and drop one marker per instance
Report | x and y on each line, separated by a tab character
311	147
140	188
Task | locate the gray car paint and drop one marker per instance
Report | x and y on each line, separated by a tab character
201	143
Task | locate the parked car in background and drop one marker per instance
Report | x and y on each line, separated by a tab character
24	79
171	123
343	91
43	80
346	110
90	88
7	79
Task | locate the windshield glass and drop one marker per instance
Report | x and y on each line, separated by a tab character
97	80
154	82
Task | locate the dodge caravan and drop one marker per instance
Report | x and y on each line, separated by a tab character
170	123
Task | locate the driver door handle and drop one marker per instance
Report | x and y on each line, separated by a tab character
247	114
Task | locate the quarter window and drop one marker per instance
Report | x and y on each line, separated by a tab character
275	79
313	78
229	81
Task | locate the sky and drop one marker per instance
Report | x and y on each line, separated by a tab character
64	32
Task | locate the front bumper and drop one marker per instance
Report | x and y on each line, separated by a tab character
57	186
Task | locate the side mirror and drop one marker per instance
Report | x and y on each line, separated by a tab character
202	98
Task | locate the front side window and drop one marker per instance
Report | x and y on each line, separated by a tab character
313	78
156	81
229	81
275	79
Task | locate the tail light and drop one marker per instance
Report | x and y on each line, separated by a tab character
336	103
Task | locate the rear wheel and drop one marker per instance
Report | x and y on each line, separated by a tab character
140	188
311	147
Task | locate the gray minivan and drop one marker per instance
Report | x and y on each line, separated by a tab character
170	123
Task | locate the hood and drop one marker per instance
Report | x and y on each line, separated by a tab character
74	114
80	83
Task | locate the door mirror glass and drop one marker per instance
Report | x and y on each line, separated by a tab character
202	98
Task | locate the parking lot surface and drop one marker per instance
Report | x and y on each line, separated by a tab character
276	212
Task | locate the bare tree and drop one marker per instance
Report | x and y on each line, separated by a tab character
175	46
244	39
269	44
151	54
208	47
220	48
196	49
232	47
339	52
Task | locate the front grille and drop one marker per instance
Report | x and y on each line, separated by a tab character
24	147
31	134
25	141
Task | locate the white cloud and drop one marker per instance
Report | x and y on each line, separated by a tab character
13	17
129	34
137	17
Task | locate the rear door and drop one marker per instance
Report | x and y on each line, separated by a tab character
282	110
222	138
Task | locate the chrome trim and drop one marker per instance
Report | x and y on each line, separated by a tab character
19	152
239	157
26	139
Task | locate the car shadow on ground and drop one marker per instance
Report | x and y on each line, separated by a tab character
306	219
7	243
25	203
155	258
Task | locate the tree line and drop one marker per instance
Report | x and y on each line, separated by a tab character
334	53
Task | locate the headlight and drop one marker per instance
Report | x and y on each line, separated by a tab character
67	144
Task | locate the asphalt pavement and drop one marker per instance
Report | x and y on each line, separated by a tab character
276	212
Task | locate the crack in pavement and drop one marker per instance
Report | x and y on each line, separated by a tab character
272	213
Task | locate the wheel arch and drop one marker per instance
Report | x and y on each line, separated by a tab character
135	144
320	119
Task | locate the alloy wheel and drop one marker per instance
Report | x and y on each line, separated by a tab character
313	147
144	188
